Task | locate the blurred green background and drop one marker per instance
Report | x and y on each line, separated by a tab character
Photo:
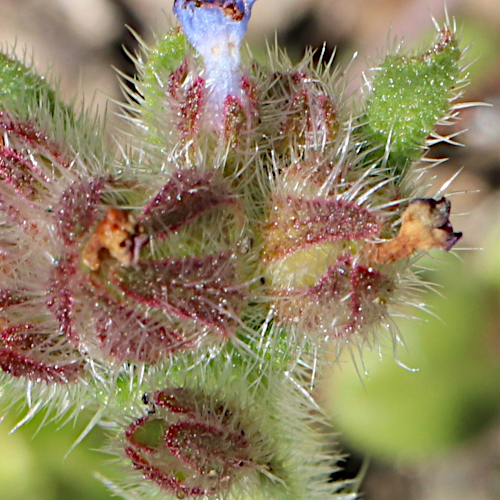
430	435
33	463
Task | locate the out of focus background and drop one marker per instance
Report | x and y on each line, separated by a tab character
427	435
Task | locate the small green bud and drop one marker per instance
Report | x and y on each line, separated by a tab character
409	97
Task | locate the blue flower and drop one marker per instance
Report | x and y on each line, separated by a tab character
216	29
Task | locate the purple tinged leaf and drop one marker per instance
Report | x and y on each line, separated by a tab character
205	289
370	290
165	480
18	365
190	109
127	335
29	136
296	223
27	351
77	209
190	403
62	298
190	443
208	448
22	147
348	298
177	400
187	195
17	172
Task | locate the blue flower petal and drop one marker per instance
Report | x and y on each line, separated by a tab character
216	29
